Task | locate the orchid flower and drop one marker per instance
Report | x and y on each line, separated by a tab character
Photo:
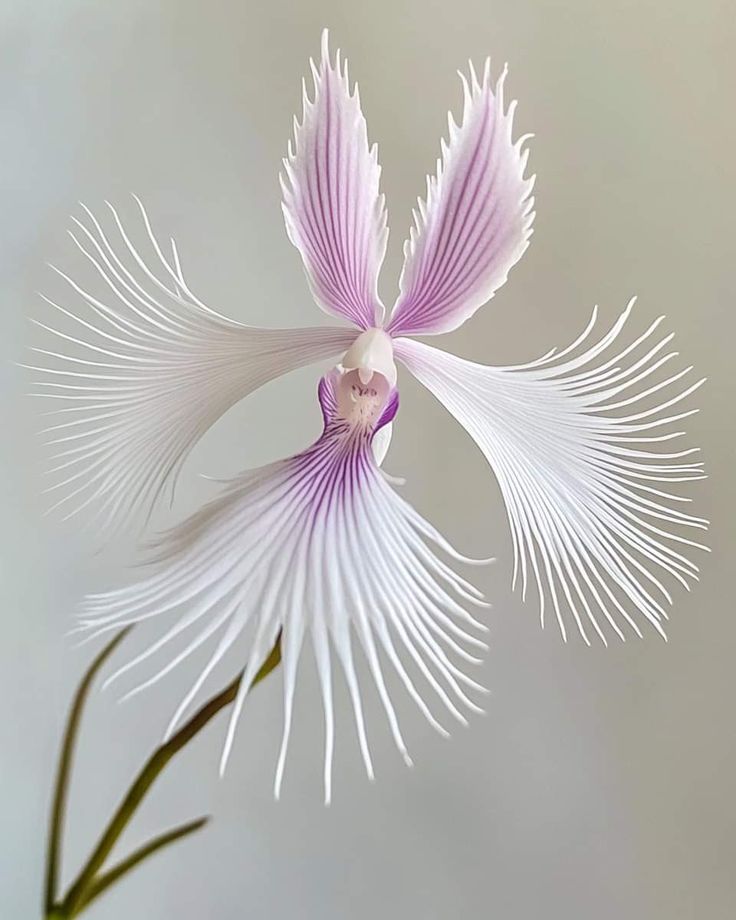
320	547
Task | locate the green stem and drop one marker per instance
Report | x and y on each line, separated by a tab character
103	882
77	895
66	759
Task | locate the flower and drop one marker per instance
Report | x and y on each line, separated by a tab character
321	544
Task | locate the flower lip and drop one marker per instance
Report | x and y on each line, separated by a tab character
361	404
371	353
365	407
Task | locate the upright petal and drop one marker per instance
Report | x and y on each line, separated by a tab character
316	546
335	215
575	443
476	221
145	371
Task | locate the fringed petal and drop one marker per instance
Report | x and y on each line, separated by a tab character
579	442
321	546
145	370
476	221
335	215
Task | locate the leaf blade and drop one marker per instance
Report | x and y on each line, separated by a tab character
109	878
64	768
149	773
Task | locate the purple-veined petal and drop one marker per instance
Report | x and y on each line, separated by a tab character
382	436
581	443
382	442
318	546
143	370
334	212
476	221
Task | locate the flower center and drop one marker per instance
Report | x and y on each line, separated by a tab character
371	353
359	403
363	382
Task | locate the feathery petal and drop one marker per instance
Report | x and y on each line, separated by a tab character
316	545
145	371
335	215
575	442
476	221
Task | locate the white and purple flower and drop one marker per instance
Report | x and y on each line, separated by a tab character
320	544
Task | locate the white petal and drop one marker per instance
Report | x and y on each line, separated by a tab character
381	442
476	221
318	544
575	464
145	371
380	446
334	212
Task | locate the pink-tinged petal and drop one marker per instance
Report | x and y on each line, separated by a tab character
327	395
476	221
580	443
143	370
316	546
335	215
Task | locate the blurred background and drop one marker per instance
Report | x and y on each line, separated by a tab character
600	782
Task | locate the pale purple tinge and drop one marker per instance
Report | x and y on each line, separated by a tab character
321	544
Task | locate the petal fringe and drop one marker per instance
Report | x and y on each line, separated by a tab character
574	440
318	544
476	221
144	371
334	212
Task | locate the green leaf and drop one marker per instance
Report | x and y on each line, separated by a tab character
66	759
152	769
104	881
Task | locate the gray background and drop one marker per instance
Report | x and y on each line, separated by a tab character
600	782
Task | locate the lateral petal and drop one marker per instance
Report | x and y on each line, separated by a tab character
144	373
575	441
318	545
335	215
476	221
